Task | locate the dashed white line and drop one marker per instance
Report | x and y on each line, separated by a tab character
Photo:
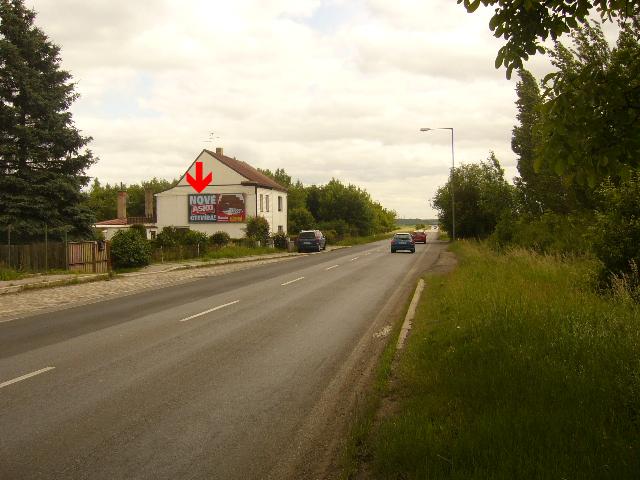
209	311
331	267
354	258
291	281
24	377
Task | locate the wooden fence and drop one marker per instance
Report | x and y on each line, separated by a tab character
91	257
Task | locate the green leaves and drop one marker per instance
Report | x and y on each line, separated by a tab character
524	23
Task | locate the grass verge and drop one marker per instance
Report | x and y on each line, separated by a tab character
232	251
516	370
9	274
350	241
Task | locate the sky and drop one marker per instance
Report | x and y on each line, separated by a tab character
322	88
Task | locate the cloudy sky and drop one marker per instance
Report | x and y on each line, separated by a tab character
321	88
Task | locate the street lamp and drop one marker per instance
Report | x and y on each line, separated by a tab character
453	166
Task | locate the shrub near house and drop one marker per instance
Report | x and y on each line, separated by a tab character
129	248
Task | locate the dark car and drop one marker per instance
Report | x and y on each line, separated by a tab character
402	241
419	236
311	241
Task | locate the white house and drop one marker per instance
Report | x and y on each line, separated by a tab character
237	192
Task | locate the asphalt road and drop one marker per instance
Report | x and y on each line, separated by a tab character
210	379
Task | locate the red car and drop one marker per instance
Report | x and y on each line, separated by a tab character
419	236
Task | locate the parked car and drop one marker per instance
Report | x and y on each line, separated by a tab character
311	240
402	241
419	236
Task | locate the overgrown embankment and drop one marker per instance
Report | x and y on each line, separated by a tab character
514	369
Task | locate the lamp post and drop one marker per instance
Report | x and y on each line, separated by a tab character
453	166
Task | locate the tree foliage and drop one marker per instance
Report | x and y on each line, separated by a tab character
333	205
102	199
481	195
591	109
42	164
539	188
526	24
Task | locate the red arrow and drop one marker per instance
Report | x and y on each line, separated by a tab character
199	183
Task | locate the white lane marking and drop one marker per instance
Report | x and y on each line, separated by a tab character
209	311
24	377
291	281
368	253
332	266
354	258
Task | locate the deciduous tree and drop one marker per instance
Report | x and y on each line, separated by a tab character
526	24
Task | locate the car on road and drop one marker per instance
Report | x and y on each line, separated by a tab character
419	236
402	241
311	241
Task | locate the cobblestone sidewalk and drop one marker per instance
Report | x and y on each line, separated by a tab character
33	301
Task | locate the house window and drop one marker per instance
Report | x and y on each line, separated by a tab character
267	201
261	208
280	229
279	203
153	235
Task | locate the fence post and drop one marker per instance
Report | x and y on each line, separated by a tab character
198	249
161	254
46	248
66	251
94	247
9	243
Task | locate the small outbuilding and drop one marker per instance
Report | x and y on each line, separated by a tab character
237	191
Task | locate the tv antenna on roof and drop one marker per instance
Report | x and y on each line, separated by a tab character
212	137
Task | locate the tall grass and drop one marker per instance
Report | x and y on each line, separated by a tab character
234	251
349	241
515	369
9	274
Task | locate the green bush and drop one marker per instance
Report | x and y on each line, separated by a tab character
257	228
219	239
129	249
280	240
617	228
548	233
172	237
139	228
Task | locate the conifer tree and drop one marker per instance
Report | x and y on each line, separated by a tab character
42	156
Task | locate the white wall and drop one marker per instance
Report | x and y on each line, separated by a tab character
273	216
172	205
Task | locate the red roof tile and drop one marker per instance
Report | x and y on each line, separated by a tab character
115	221
248	172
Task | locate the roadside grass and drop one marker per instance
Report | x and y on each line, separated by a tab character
9	274
350	241
355	451
233	251
516	370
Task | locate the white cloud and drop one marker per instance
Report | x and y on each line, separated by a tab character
322	88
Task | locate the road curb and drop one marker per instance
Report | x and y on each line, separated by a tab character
411	313
74	280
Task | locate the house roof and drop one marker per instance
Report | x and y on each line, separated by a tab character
115	221
253	176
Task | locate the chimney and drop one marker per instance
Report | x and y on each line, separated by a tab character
148	203
219	151
122	205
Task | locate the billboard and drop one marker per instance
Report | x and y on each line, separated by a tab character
216	207
202	208
231	208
